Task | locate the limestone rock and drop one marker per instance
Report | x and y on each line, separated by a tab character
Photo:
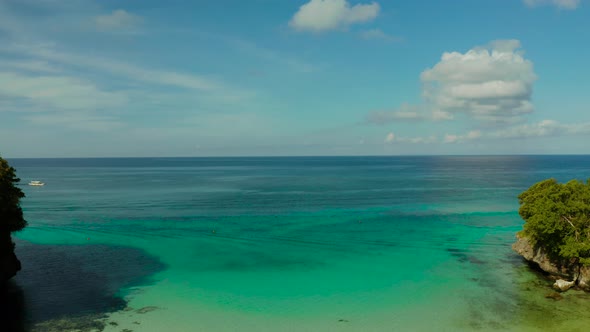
555	296
537	255
571	270
563	285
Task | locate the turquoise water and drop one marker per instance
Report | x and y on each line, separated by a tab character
298	244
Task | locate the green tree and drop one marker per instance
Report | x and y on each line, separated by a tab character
557	218
11	214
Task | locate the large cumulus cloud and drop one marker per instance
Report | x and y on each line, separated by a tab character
492	83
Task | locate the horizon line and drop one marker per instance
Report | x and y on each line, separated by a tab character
310	156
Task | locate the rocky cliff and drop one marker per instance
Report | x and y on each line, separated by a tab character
9	263
570	270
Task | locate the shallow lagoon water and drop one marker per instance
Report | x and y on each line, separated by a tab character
307	244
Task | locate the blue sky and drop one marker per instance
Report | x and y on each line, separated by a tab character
83	78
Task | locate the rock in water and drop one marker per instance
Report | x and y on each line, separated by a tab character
555	296
563	285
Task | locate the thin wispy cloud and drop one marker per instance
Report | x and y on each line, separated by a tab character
538	129
60	92
544	128
405	113
47	83
378	34
32	66
82	103
392	138
561	4
119	20
470	136
246	48
49	54
269	55
81	121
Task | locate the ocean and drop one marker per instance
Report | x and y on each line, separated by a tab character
285	244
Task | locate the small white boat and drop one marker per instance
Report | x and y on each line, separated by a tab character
36	183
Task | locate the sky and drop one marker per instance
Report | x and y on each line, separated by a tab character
90	78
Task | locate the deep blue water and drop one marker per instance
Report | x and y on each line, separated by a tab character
210	186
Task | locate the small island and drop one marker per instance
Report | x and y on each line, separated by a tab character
556	233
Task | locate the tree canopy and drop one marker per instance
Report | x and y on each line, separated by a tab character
557	218
11	214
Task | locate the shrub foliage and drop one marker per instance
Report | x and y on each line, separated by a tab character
11	214
557	218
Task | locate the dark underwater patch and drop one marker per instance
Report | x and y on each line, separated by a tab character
463	257
71	282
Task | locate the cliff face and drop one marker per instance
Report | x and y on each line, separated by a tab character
9	264
566	269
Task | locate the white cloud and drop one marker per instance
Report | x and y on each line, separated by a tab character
474	134
324	15
118	20
470	136
438	115
562	4
378	34
492	83
543	128
418	140
391	138
449	138
406	113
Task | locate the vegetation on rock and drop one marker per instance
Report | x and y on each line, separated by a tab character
557	219
11	214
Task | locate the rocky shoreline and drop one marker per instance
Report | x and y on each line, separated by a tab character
568	273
